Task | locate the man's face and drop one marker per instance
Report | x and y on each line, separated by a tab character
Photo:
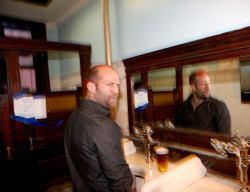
107	89
201	87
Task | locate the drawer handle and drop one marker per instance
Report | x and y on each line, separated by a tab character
8	149
31	143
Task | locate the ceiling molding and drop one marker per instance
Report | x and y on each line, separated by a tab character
67	14
43	3
52	16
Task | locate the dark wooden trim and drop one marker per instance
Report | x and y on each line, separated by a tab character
144	79
131	113
179	84
42	45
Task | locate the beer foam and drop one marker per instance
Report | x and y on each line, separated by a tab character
161	149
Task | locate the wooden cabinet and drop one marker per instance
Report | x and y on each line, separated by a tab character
32	156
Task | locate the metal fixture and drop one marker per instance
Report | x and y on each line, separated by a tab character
168	124
239	146
145	136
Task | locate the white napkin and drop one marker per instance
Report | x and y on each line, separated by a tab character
188	170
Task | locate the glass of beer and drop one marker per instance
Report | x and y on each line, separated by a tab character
161	157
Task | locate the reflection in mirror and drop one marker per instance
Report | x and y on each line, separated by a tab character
245	79
162	79
162	94
136	78
160	86
64	71
225	86
137	86
32	69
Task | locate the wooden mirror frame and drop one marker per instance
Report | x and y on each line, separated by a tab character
182	141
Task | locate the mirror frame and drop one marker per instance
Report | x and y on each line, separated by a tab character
223	46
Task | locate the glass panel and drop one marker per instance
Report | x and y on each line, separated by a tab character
64	71
27	72
137	101
136	78
28	79
162	84
162	80
51	71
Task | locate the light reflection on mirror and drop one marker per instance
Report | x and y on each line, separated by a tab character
162	79
162	91
64	71
137	82
137	85
225	86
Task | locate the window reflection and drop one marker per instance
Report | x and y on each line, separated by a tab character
162	80
64	71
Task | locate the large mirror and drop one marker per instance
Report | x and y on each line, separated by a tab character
225	86
164	74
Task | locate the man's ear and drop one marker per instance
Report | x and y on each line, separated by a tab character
91	87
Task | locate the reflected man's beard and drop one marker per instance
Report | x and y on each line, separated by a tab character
205	97
202	95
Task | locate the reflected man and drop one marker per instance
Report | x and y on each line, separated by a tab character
92	139
200	110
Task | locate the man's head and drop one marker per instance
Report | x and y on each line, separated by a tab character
200	84
103	85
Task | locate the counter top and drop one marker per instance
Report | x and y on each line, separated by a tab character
208	183
141	168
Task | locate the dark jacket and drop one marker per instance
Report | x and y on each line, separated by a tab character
210	115
93	150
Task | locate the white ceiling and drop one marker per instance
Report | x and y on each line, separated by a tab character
54	14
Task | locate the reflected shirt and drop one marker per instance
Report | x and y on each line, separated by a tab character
210	115
93	150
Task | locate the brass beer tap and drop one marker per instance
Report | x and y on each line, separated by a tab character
145	136
239	146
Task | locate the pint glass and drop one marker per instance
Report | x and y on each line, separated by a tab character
162	158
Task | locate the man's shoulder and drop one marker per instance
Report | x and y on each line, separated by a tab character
186	102
93	115
89	112
216	101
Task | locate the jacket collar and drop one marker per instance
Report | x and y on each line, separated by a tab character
97	106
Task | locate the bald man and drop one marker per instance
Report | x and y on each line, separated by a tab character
93	140
200	110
